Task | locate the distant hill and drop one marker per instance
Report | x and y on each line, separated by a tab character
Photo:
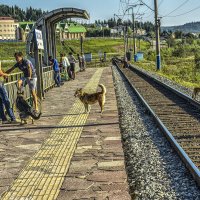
193	27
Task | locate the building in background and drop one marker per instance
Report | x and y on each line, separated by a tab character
140	32
8	29
117	31
23	30
69	30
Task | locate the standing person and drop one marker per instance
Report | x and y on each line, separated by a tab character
65	63
80	62
72	62
29	77
126	65
4	101
83	62
56	69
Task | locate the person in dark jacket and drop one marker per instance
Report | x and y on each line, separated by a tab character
54	63
4	101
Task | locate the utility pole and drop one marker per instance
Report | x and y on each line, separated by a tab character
158	57
81	41
124	34
134	38
133	21
125	42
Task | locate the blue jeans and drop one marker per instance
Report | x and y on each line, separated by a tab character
57	78
4	102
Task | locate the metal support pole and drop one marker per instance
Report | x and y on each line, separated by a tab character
134	39
38	69
158	57
124	42
81	40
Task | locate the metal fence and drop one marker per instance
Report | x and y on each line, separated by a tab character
48	83
48	80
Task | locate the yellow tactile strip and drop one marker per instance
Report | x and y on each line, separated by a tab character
44	174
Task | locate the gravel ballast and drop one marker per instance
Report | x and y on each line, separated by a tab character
173	84
154	169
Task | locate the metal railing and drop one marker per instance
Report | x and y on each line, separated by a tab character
13	77
48	83
11	87
48	78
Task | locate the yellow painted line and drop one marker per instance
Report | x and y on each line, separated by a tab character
43	176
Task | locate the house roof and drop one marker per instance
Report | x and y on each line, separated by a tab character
24	24
27	22
6	18
73	27
76	28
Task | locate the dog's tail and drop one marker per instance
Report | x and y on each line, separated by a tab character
34	116
103	88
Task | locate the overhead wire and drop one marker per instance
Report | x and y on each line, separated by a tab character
146	5
160	3
198	7
181	5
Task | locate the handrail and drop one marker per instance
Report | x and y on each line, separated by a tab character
48	83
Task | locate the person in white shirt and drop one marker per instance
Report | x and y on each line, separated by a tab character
65	63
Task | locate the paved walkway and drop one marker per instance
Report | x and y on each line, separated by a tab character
81	159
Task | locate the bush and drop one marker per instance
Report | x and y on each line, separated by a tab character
179	52
197	60
151	55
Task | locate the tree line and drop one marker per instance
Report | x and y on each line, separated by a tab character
112	22
17	13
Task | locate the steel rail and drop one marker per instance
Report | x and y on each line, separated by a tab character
183	155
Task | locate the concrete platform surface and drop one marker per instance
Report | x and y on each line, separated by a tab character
80	158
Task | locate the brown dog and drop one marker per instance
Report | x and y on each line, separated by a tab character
88	99
195	92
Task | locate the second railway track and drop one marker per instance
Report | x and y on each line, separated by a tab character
179	115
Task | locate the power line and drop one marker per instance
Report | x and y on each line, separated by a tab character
160	3
150	12
176	8
146	5
138	9
185	12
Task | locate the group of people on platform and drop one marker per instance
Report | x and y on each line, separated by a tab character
66	65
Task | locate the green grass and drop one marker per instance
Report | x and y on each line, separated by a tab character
93	46
110	46
8	49
179	70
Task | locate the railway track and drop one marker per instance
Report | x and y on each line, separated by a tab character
177	115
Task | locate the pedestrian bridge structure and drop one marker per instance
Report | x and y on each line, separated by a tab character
47	24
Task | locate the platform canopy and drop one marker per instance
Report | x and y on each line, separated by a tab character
47	24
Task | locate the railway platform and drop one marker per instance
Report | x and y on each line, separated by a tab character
67	154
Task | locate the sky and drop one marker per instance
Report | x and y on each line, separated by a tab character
104	9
